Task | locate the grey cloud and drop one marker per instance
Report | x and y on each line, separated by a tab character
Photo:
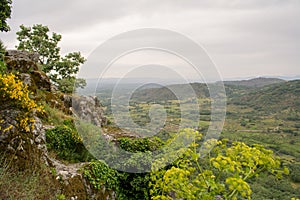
78	14
238	34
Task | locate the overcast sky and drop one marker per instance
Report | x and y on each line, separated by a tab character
244	38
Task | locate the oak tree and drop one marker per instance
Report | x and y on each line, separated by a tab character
61	70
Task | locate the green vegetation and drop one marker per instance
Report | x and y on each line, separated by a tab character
5	13
66	142
140	144
27	185
127	186
230	172
239	167
280	97
100	175
224	173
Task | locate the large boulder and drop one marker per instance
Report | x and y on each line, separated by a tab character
89	109
26	64
21	61
26	150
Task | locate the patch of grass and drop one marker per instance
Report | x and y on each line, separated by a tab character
55	117
26	185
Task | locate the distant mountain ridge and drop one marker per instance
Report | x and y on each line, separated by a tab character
259	93
167	92
255	82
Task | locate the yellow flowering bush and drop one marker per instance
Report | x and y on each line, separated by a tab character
224	174
4	129
13	93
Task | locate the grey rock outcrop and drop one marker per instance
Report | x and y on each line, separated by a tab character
21	61
26	149
26	64
41	80
88	109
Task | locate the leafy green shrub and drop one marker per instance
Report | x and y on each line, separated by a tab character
134	186
128	186
66	142
295	172
140	144
99	175
5	8
243	123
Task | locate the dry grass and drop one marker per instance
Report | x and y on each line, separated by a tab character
27	185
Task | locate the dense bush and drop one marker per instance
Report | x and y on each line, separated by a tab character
140	144
134	186
67	144
127	186
270	187
99	175
295	172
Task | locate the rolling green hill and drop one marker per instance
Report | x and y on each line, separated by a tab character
171	92
272	98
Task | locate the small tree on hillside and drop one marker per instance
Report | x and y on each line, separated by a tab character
61	70
2	53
